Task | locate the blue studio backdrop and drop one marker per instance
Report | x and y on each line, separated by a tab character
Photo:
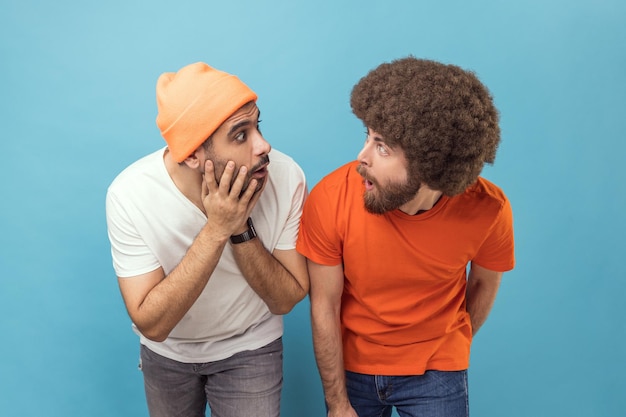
78	105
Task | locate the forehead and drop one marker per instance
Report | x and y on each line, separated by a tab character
247	115
245	112
377	137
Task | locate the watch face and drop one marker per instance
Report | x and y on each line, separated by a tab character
251	227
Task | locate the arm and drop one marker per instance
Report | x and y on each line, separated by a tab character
155	302
482	287
326	291
280	279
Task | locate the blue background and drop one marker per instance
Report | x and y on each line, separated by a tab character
78	105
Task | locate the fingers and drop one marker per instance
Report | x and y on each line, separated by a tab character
213	186
249	192
238	183
229	199
230	184
209	184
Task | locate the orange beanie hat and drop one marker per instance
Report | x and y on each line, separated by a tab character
194	102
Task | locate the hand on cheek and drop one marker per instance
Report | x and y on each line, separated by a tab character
227	203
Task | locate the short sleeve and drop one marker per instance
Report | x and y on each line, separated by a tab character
497	251
319	238
131	255
298	193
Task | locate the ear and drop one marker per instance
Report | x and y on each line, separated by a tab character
193	161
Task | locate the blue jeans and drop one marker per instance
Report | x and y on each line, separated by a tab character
246	384
434	394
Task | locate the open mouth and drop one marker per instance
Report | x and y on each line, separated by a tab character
367	182
261	172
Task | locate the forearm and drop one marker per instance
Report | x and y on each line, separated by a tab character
167	303
328	348
272	281
482	288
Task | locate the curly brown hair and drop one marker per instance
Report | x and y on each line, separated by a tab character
440	115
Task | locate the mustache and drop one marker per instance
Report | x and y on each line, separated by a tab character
362	172
265	160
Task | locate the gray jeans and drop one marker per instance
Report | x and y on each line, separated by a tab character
246	384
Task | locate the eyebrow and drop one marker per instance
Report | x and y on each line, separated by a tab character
243	123
379	139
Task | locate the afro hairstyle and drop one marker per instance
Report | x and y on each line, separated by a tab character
440	115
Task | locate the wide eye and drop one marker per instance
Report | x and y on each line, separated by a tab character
240	137
382	149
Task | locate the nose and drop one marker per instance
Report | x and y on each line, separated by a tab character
261	146
363	157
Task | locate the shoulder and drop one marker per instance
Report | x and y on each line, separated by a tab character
340	191
341	179
138	183
483	200
485	189
278	158
135	173
283	166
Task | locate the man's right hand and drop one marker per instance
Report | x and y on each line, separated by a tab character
228	206
344	411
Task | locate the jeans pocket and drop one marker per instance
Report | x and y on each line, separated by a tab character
450	381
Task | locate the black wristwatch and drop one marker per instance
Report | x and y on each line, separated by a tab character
245	236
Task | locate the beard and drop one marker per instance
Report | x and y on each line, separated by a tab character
393	195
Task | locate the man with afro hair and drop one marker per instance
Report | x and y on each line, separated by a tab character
406	246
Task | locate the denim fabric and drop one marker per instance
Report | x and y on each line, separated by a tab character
434	394
248	383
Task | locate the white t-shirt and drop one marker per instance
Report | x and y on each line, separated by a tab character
151	224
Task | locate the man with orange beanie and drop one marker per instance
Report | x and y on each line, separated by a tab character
390	239
203	237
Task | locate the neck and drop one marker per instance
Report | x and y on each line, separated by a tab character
424	200
186	179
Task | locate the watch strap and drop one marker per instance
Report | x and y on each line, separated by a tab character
245	236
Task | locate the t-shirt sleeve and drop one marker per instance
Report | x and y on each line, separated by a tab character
319	238
497	251
131	256
298	192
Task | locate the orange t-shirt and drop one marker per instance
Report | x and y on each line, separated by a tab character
403	305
